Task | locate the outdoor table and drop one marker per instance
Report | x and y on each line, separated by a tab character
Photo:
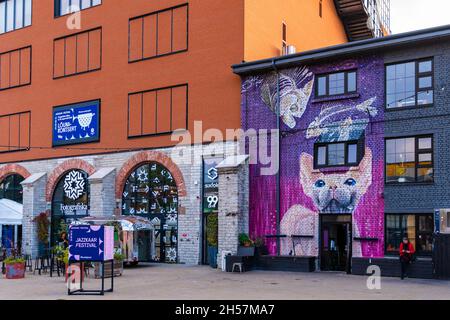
293	238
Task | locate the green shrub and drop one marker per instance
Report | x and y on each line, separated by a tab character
13	260
212	230
244	240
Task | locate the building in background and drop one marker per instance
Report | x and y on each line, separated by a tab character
365	19
364	154
89	103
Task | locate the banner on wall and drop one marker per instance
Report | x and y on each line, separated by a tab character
91	243
210	186
76	123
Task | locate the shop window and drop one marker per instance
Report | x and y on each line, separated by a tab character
11	189
15	132
409	160
157	111
15	68
418	228
70	201
63	7
158	34
14	14
150	191
338	154
77	53
409	84
338	83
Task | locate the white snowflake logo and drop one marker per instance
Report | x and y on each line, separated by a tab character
171	255
74	185
142	175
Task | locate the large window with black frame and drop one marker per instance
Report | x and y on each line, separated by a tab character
336	154
337	83
409	160
14	14
70	202
11	189
409	84
63	7
418	228
151	191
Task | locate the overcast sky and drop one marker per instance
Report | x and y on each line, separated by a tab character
408	15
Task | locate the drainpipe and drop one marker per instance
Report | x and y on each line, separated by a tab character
278	191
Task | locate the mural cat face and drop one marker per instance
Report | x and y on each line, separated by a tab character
336	192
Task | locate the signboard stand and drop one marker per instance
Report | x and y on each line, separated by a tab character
87	244
101	292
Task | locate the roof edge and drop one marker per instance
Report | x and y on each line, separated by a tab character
355	47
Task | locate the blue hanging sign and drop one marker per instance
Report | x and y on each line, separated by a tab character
91	243
76	123
437	221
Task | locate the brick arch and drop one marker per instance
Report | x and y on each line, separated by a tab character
13	169
67	165
145	157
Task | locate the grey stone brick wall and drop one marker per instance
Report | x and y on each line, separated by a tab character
33	204
435	120
233	206
189	159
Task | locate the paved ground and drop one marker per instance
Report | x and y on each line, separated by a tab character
176	282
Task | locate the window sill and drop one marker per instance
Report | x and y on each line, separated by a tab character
337	97
411	184
422	106
336	169
395	255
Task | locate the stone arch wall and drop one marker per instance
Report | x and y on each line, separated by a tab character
61	169
145	157
13	169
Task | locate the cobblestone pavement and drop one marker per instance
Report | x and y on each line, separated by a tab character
176	282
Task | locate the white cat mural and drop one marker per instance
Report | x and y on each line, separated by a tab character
331	193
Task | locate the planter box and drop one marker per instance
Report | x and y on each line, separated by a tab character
212	254
15	271
246	251
118	269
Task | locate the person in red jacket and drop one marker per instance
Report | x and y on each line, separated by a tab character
406	255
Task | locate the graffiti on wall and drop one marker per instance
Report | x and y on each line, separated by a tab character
306	192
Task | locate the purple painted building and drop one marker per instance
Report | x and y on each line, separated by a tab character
347	184
331	184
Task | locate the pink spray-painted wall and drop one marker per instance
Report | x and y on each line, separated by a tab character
306	191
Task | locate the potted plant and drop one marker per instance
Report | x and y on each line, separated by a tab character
43	225
260	247
15	267
118	266
246	245
212	230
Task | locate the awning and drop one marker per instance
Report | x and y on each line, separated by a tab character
11	212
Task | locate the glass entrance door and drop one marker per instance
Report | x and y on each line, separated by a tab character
335	251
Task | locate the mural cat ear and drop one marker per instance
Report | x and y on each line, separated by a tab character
307	179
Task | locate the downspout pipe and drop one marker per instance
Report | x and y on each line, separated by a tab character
278	177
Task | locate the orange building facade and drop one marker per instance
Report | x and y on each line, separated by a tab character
90	99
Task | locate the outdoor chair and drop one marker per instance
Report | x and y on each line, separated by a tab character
28	263
42	265
239	265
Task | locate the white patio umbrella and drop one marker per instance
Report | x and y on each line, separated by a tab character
11	213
